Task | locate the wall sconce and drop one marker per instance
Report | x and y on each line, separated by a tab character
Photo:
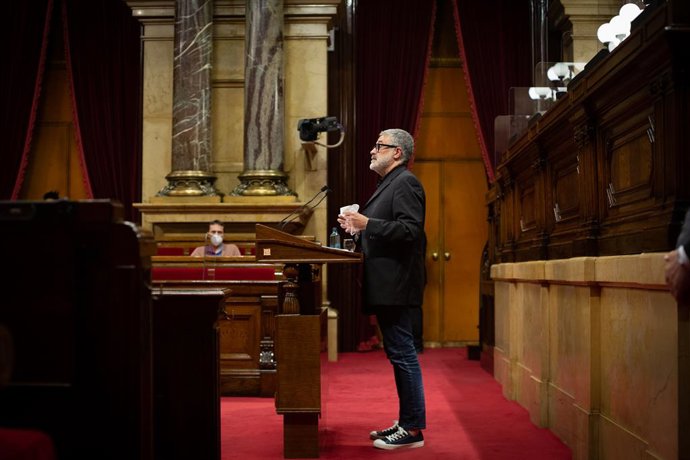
543	95
560	73
540	93
551	83
617	29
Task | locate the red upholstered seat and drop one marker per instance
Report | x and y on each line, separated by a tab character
210	273
25	445
170	251
245	273
177	273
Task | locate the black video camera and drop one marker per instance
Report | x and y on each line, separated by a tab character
309	128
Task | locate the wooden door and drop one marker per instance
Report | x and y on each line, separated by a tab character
53	162
456	232
449	163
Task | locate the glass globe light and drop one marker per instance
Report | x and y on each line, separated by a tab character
605	33
620	27
629	11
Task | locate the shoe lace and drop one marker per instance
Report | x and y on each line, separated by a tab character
400	434
391	428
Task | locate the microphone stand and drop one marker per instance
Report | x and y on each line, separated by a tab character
304	209
299	211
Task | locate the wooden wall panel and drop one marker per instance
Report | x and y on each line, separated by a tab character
447	130
450	166
447	136
603	169
54	160
429	173
446	92
49	157
466	234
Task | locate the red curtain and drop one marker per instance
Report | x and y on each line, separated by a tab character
393	46
102	48
494	43
25	34
103	59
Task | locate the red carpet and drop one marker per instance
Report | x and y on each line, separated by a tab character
467	416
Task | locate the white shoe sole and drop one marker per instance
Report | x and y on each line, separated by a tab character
381	444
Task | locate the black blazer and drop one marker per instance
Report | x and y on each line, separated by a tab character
394	242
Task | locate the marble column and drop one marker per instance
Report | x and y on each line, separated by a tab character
191	130
585	17
263	173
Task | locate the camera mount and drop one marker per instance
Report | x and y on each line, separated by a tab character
309	129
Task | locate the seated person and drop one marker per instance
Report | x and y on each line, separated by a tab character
216	246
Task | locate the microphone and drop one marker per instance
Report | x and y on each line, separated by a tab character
289	218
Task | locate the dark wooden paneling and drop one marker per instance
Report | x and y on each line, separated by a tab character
603	171
185	373
246	327
78	308
298	396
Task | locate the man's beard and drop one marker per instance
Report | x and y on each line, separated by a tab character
381	164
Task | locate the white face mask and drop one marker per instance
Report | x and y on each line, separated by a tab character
216	239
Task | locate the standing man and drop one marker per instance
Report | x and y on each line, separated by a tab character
390	229
215	246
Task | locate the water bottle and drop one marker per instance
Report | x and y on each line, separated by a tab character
334	239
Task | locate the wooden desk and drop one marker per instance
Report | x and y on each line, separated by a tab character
185	373
246	323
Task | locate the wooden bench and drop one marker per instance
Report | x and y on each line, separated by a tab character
182	244
246	323
244	273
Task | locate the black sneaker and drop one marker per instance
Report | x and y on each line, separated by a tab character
383	433
400	439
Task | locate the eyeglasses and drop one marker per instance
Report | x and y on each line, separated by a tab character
378	146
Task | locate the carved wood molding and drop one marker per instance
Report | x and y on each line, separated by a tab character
539	164
660	85
582	133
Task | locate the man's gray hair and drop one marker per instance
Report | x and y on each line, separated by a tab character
402	139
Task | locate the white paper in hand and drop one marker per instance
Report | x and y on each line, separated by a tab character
351	208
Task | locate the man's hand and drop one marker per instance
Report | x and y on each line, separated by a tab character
677	278
353	222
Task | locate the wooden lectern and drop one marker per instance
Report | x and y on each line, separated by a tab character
298	333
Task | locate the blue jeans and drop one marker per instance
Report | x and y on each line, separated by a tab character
398	342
